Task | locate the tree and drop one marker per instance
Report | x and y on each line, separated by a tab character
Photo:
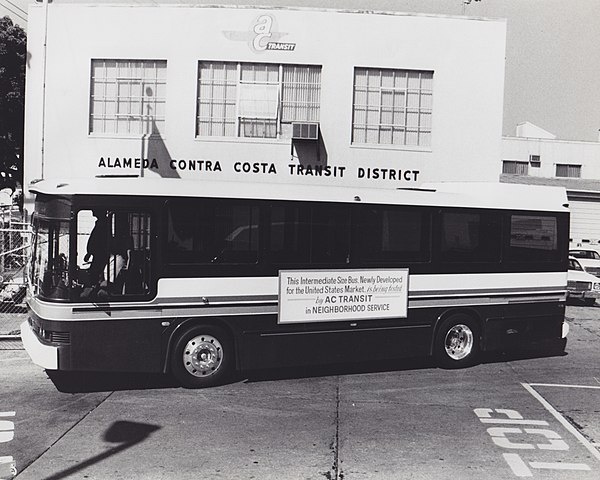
13	55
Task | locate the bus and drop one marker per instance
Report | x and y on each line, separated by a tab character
204	280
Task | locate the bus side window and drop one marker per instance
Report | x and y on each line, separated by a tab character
205	231
393	234
330	236
289	234
533	238
470	237
236	233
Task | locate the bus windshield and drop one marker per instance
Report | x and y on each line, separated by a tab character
50	259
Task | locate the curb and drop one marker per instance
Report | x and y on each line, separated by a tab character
11	337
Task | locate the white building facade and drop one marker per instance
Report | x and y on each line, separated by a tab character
536	157
382	100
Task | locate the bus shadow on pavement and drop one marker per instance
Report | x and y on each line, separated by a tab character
291	373
88	382
525	354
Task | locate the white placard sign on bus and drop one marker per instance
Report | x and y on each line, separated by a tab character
329	295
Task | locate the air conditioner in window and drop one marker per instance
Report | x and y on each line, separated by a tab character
305	131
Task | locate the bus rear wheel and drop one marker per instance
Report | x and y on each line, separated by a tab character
456	343
202	357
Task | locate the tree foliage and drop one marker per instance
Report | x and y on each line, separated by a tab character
13	55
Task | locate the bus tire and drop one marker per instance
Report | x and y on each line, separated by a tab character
202	356
457	342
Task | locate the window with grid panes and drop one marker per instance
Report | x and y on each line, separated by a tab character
128	96
256	99
513	167
392	107
566	170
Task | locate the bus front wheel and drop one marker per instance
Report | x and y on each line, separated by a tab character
456	343
202	357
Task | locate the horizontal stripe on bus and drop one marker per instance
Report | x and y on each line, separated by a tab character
216	288
412	294
484	291
342	330
248	299
148	311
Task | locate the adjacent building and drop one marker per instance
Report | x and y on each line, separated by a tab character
535	156
290	95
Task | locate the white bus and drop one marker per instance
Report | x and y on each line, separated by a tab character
204	279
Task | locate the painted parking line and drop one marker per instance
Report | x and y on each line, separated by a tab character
517	436
591	447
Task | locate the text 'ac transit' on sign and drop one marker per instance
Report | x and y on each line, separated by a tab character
329	295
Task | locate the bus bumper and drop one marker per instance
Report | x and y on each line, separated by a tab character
42	355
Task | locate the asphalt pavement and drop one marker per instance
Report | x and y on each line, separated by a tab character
10	336
505	418
10	322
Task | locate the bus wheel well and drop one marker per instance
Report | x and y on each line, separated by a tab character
465	328
457	311
186	325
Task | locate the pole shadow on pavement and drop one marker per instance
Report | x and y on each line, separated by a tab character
123	433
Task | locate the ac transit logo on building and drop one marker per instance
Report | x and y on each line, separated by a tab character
263	36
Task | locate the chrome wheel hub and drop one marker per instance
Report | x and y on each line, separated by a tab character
459	342
202	355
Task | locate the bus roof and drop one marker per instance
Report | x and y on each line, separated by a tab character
452	194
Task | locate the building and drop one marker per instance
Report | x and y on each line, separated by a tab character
535	156
283	94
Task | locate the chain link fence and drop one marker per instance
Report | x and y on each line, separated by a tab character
15	234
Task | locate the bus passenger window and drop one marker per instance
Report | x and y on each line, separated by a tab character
207	231
289	234
180	231
330	236
236	234
533	238
470	237
393	235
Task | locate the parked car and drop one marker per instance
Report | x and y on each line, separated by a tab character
581	285
588	258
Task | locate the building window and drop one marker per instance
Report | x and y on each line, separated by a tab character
515	168
565	170
392	107
128	96
256	99
535	161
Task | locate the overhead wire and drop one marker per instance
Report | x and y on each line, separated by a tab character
11	10
17	7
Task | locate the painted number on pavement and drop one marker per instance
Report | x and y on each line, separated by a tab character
8	468
509	430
